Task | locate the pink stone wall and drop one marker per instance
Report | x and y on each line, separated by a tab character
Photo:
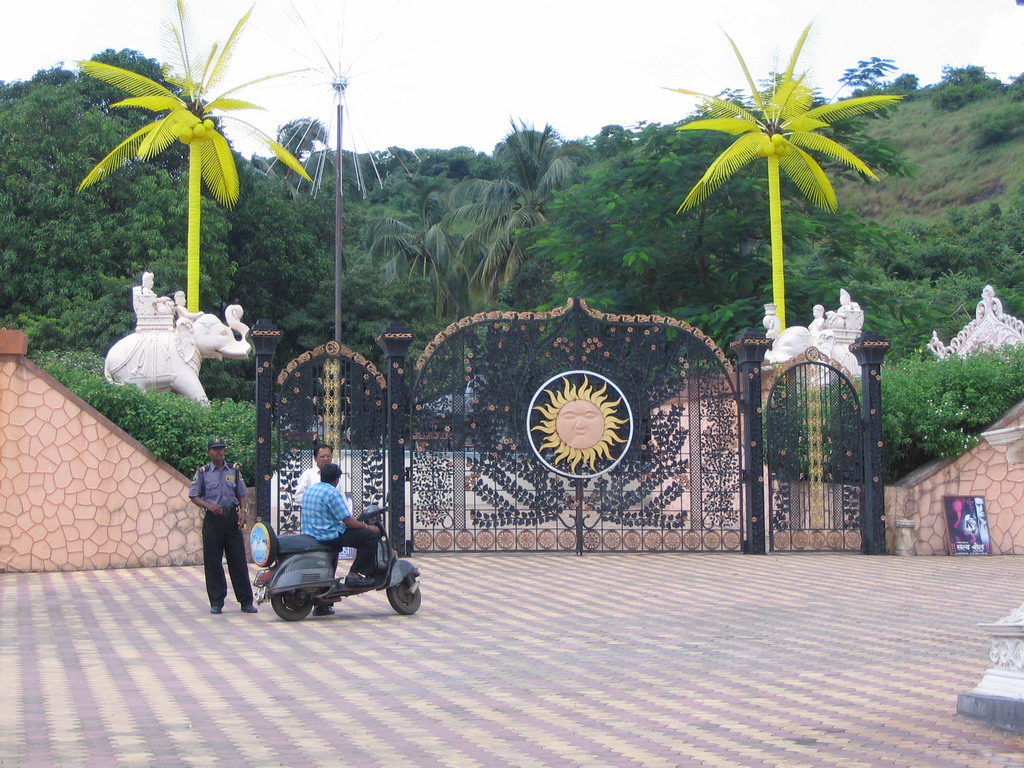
993	472
79	493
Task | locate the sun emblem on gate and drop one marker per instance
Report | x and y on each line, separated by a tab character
580	424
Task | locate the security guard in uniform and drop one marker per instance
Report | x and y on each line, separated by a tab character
218	488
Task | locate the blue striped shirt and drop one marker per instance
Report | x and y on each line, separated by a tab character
323	510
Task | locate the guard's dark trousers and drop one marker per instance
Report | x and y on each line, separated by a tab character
221	538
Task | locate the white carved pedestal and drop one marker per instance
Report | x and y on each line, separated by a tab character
999	697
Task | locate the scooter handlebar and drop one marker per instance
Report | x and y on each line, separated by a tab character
371	515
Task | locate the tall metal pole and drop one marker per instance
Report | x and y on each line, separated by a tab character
339	210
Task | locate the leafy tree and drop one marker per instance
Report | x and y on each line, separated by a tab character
495	216
69	260
426	250
189	119
783	124
611	241
962	85
868	76
936	409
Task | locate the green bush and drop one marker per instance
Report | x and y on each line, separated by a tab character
173	427
936	409
999	125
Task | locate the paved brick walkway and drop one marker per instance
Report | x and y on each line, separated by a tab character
533	660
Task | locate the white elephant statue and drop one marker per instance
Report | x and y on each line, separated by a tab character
796	339
166	357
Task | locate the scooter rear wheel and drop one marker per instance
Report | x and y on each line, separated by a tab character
404	599
292	606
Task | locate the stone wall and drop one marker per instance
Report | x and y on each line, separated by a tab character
993	469
77	492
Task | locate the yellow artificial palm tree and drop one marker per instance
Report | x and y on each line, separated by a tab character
188	119
780	127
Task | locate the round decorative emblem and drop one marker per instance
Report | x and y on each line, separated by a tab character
527	540
567	539
612	540
591	540
673	540
263	545
506	539
443	540
579	424
712	540
812	353
485	540
422	541
835	540
652	540
800	539
546	539
464	540
631	540
691	540
853	541
731	540
781	542
818	540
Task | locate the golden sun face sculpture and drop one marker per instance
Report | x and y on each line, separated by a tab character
580	425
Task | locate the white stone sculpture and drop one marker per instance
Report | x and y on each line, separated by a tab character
991	328
831	333
166	350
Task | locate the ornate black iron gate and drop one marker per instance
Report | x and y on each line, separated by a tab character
815	459
330	395
500	456
496	465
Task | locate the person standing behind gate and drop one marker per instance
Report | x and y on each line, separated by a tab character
322	456
218	488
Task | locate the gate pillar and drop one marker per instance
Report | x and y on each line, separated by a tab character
750	347
870	351
265	337
395	341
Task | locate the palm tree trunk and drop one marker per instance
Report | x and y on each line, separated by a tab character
775	216
195	180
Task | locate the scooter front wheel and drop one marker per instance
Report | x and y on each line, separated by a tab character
405	598
292	606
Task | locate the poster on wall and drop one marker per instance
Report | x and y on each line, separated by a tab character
967	525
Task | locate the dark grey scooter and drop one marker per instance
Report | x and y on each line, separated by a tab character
299	573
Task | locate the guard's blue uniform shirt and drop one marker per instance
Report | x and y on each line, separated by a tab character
223	486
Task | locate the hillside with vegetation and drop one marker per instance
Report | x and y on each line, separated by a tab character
963	140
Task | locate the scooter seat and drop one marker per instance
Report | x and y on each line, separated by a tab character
298	543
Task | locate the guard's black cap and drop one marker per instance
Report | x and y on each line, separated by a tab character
215	442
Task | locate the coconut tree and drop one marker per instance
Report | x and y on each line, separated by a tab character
781	126
495	216
427	250
192	117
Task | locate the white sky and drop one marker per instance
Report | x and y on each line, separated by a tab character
445	73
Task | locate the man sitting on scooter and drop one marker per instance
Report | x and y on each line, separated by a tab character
327	518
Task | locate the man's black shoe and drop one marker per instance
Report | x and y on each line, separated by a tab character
215	609
358	581
323	610
250	608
